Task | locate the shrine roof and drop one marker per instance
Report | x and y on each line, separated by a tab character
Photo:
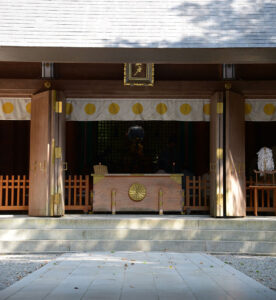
138	24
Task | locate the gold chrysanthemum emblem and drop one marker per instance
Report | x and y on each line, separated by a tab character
137	192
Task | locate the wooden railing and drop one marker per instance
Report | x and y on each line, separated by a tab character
14	193
266	201
197	194
77	193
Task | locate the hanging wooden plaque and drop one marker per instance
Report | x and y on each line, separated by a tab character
139	74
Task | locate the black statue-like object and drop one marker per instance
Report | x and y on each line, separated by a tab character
135	160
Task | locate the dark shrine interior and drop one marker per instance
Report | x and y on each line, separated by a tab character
172	146
106	142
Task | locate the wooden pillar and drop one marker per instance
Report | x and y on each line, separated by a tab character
47	137
227	155
235	155
216	155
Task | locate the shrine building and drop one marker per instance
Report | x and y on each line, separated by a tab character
153	107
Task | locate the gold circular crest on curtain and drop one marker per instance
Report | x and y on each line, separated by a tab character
137	192
29	107
137	108
185	108
90	108
247	108
269	109
7	107
69	108
161	108
113	108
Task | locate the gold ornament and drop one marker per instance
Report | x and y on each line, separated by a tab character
228	85
137	192
47	84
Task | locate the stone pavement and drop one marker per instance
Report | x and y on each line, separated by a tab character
137	275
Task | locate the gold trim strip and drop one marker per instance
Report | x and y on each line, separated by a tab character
220	199
59	107
58	152
97	178
219	153
177	178
220	108
53	151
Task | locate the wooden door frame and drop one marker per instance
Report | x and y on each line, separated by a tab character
216	155
40	156
235	194
48	199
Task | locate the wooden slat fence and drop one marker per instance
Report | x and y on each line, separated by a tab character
197	193
266	202
14	192
77	193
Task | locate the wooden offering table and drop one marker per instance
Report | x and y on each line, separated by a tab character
137	193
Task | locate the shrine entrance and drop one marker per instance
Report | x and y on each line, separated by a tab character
160	144
72	165
172	149
55	173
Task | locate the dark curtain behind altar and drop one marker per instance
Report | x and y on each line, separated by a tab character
14	147
106	142
88	143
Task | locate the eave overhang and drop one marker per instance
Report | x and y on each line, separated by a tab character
153	55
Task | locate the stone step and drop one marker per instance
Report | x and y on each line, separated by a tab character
210	246
136	234
23	234
138	222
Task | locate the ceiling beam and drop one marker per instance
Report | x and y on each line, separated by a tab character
116	89
152	55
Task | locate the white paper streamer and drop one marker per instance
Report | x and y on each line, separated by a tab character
265	159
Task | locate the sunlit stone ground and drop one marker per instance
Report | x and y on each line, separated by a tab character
133	275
